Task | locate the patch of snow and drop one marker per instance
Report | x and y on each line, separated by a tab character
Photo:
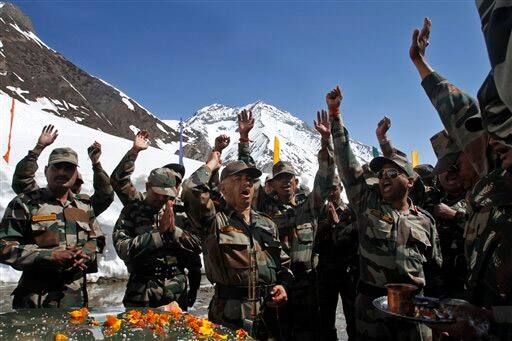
21	79
31	36
161	127
126	101
71	85
19	91
134	129
2	4
78	137
78	119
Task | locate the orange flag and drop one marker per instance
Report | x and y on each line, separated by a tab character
6	156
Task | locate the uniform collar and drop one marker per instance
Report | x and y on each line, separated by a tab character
71	197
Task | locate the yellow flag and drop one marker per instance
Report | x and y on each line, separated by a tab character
276	150
415	158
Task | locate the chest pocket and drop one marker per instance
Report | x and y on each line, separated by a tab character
45	230
234	245
418	244
304	233
379	229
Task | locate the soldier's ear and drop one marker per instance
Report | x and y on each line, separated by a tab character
410	182
296	182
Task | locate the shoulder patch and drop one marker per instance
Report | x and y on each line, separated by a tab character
47	217
230	228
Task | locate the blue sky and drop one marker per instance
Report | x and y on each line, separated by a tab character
178	56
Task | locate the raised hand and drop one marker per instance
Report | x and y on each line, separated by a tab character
141	141
94	152
221	142
214	162
167	220
382	128
245	124
332	215
322	124
420	41
333	100
48	135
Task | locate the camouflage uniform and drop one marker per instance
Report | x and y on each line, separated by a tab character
228	247
487	234
394	247
297	225
24	181
338	270
451	232
34	225
183	257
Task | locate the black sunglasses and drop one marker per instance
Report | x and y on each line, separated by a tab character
390	172
454	168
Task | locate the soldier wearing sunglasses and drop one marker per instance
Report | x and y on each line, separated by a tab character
398	240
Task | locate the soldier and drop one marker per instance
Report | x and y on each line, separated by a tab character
336	244
52	236
398	241
488	231
297	223
146	235
23	180
242	253
449	209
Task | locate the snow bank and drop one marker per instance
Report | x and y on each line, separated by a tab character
29	120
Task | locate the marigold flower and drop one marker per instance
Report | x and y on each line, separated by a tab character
241	334
79	314
113	324
60	337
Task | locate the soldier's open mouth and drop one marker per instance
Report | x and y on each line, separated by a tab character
246	192
386	186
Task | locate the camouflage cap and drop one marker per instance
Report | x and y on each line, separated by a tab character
398	159
237	167
282	167
425	171
178	169
446	150
163	181
59	155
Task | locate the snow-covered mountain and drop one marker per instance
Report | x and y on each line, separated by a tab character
299	143
30	69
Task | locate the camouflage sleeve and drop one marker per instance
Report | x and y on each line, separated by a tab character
454	107
15	247
97	237
23	180
182	239
130	246
434	283
196	197
386	147
103	192
244	153
497	28
323	179
349	169
120	179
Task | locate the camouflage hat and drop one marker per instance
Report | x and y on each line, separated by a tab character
398	159
178	169
446	150
369	176
59	155
163	181
237	167
282	167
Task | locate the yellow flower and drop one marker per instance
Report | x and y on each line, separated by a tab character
113	324
60	337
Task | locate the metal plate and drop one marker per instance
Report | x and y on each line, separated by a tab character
381	303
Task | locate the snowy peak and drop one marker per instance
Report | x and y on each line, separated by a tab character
12	13
299	143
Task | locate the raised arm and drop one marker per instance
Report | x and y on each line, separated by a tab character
120	178
23	179
245	125
381	132
325	175
349	169
103	191
196	194
452	104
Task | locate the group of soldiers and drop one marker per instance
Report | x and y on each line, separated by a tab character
280	257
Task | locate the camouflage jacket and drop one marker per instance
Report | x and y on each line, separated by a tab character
454	106
34	225
394	247
24	181
297	223
228	241
337	243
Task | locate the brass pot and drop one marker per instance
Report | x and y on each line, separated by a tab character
400	297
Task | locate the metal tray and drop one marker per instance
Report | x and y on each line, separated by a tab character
381	303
